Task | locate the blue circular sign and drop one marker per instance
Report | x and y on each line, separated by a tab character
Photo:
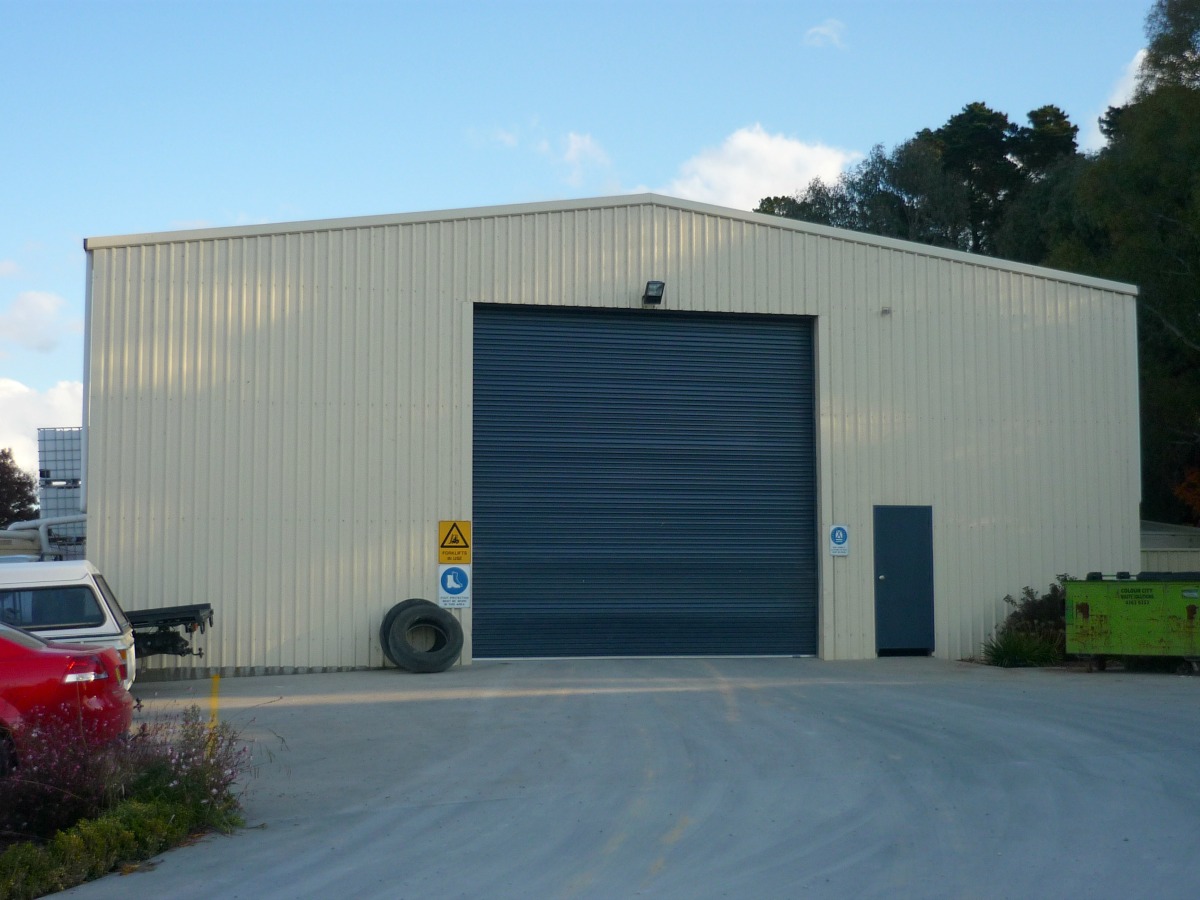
454	581
839	535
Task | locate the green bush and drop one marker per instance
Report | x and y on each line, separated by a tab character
1011	648
1035	631
143	795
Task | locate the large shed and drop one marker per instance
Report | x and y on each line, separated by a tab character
817	442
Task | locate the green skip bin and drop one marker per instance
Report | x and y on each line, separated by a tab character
1154	614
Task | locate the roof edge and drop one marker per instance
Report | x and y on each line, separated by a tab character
442	215
609	202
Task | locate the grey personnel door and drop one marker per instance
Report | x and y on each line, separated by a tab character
903	580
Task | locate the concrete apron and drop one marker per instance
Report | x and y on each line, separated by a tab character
699	778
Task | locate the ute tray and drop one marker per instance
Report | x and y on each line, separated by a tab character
195	615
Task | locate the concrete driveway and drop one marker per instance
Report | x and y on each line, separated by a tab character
701	778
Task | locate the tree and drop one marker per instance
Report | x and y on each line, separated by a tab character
1049	139
936	204
1044	223
976	147
18	492
950	187
1137	218
819	203
1145	188
1173	48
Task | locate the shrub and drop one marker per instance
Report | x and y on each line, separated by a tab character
76	815
59	780
131	831
1044	614
1035	631
196	767
1010	648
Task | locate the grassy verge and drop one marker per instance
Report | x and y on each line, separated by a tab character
68	815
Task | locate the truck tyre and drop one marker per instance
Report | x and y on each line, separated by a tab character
386	627
423	637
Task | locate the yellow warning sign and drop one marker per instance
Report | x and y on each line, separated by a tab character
454	542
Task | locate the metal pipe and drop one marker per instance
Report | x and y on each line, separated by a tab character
43	526
87	365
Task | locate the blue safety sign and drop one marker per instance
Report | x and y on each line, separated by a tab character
839	541
454	581
454	586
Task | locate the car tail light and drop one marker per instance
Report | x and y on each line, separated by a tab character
84	668
124	668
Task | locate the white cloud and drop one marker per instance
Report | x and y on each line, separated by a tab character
36	320
23	411
752	164
827	34
8	268
583	153
1121	94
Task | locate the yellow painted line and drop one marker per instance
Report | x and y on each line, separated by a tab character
214	701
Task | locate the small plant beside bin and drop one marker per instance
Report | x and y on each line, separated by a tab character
1035	631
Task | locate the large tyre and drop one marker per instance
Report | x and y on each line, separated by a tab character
389	617
423	637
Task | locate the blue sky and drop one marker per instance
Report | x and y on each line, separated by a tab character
128	117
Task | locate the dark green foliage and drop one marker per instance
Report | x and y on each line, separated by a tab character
951	186
975	150
1014	649
1044	614
140	796
1035	631
1047	141
133	830
1141	198
1173	51
18	492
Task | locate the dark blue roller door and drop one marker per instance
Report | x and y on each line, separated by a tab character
644	483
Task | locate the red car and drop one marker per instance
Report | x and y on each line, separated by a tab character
67	686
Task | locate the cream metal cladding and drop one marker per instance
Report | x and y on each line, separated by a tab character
279	416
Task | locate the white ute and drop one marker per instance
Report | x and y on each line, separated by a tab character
69	603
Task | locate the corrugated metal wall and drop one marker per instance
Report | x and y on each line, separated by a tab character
280	415
1170	561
